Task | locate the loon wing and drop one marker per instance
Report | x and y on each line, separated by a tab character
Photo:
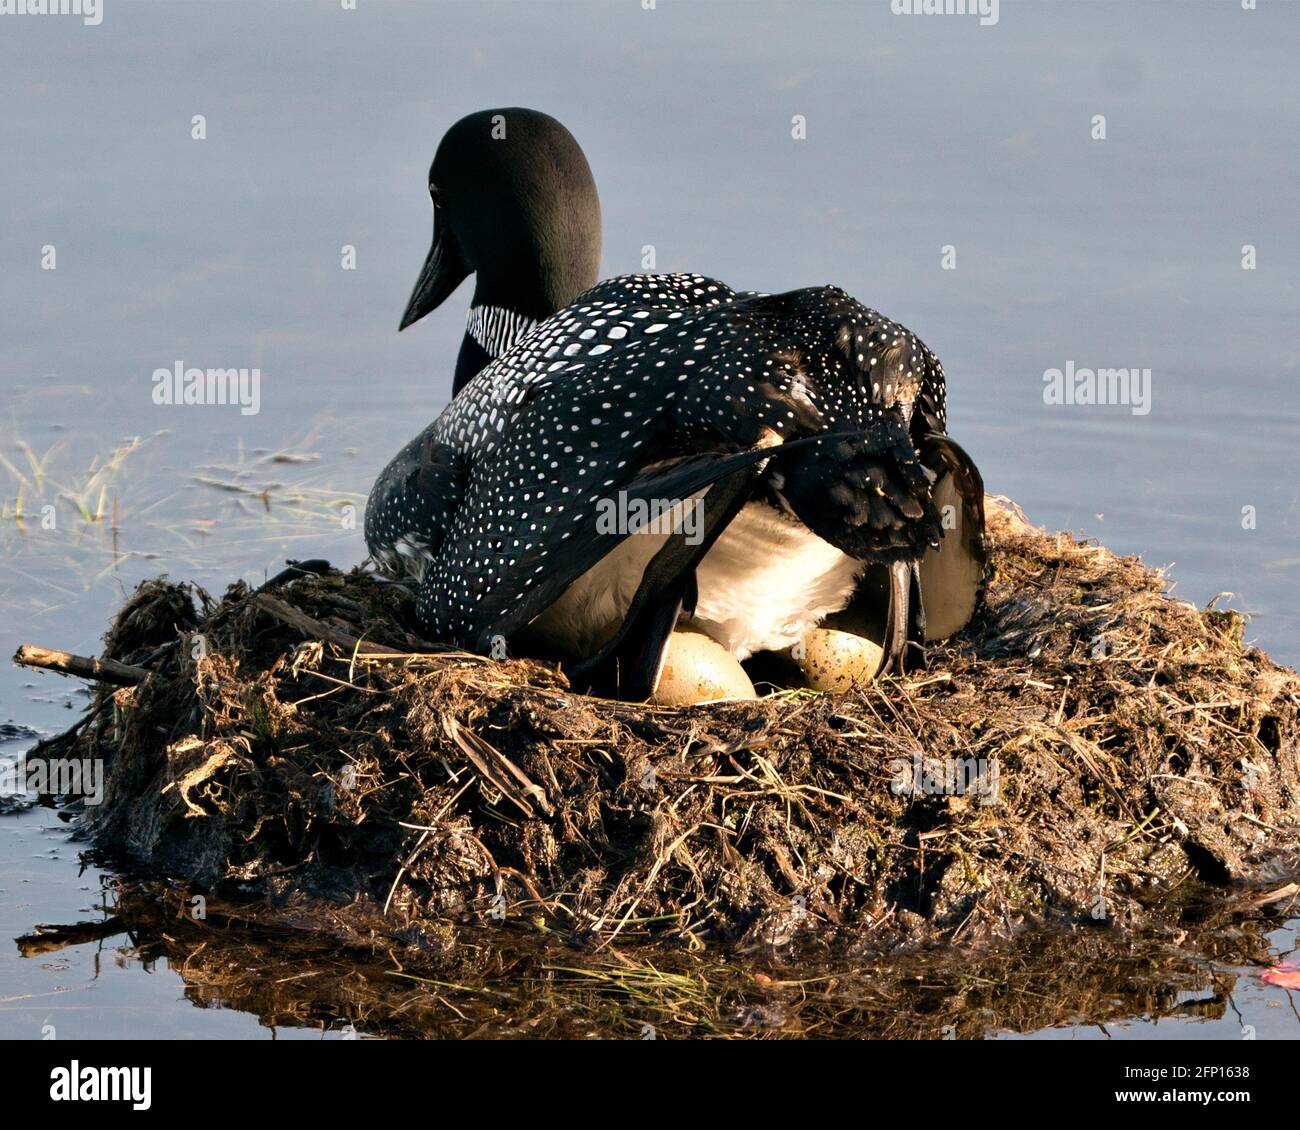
629	664
412	503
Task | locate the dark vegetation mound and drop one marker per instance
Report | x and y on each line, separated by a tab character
1121	744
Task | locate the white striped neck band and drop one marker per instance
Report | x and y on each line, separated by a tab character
496	329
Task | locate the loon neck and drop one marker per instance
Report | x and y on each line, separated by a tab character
489	332
473	359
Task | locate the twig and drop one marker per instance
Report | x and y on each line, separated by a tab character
497	769
304	623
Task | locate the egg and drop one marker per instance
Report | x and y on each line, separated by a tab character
837	661
699	669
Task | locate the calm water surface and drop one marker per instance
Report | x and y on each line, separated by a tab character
922	133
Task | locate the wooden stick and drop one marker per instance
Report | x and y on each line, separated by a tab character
497	768
125	675
84	667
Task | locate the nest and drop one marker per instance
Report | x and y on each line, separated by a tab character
1085	752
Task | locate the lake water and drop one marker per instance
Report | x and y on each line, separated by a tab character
928	140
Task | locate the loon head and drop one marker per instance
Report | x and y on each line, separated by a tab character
514	203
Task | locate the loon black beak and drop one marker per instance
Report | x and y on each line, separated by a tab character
442	273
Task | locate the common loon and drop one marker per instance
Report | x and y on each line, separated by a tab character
806	430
